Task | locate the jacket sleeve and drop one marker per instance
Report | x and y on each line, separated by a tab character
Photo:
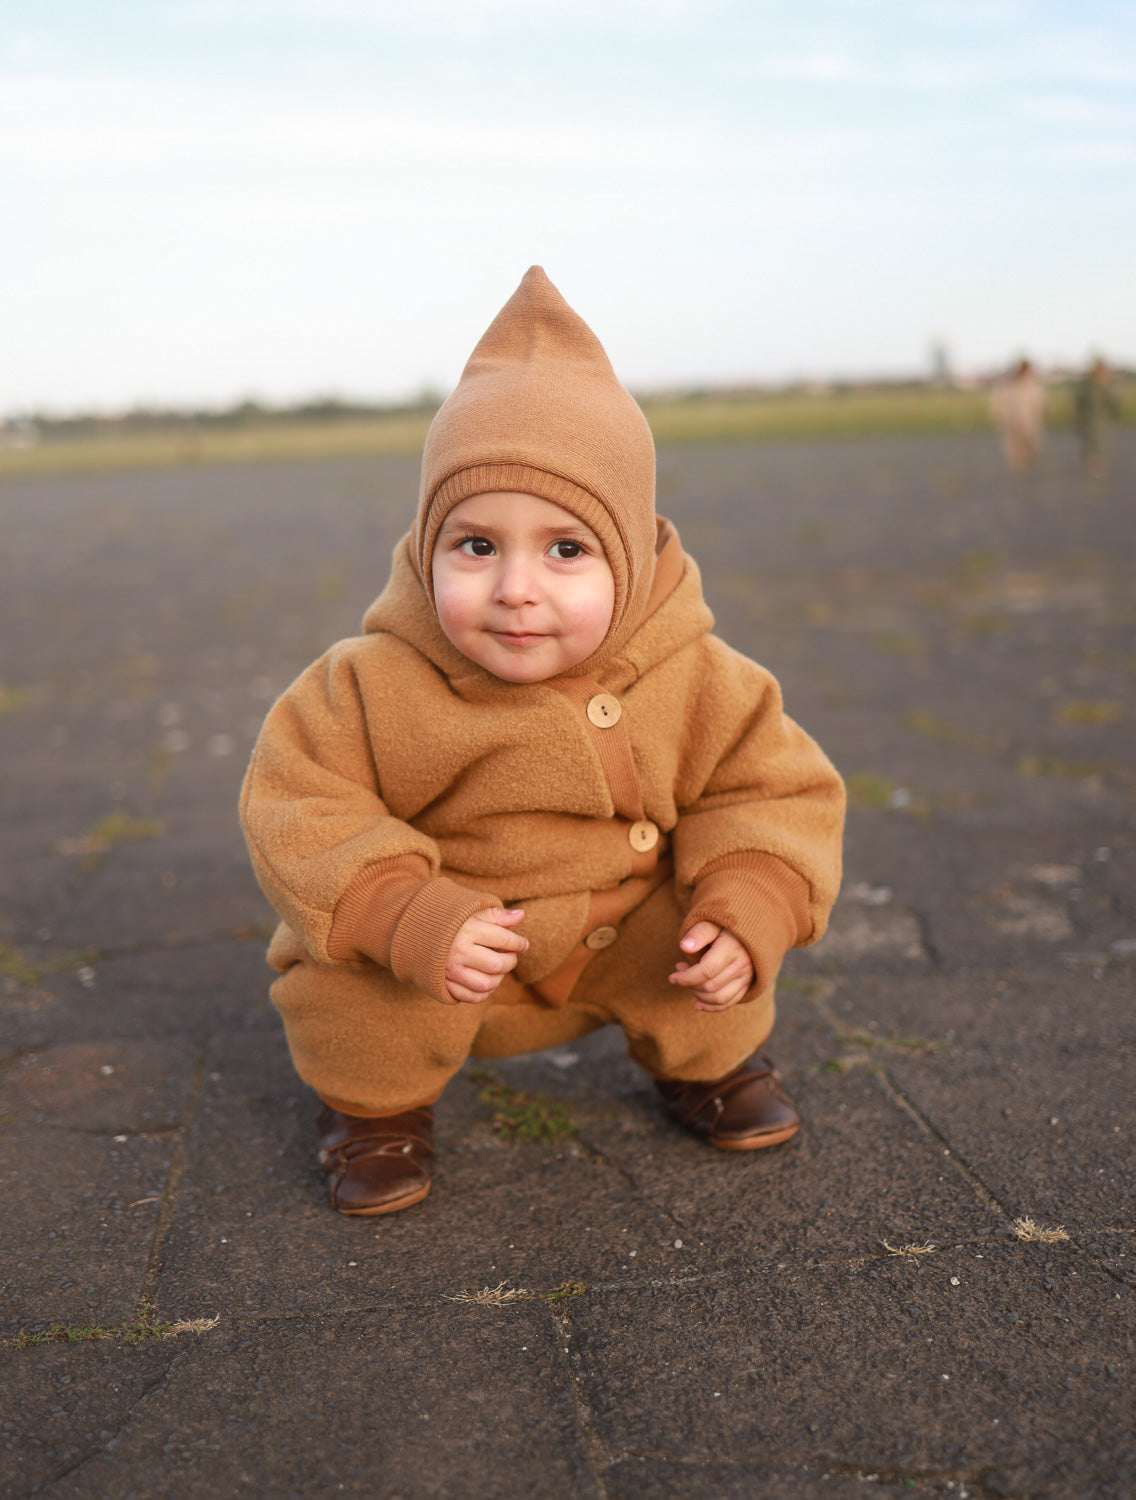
760	813
352	881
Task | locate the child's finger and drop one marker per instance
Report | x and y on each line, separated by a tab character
700	936
736	969
708	967
491	961
481	981
713	1007
690	977
502	917
469	985
489	934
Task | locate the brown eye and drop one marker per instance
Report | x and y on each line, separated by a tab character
477	546
567	549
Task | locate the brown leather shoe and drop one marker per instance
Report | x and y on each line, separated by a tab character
743	1111
376	1165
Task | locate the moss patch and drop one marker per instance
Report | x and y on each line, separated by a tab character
531	1119
14	966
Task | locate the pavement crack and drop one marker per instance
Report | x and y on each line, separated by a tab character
123	1422
112	1132
597	1456
985	1194
613	1163
164	1219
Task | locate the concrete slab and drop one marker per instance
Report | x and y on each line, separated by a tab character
1002	1374
63	1403
85	1153
80	1217
430	1400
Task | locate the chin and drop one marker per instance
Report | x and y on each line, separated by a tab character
519	672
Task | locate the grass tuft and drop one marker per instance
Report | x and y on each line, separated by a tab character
493	1296
924	721
1087	711
912	1251
193	1325
1055	765
900	642
865	789
1025	1229
502	1295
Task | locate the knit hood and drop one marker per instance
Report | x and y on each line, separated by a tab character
539	410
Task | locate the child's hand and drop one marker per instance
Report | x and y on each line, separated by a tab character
723	973
483	953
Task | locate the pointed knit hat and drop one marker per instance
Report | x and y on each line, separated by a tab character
539	410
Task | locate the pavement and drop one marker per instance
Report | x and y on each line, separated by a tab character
930	1289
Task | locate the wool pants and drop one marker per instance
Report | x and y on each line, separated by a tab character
371	1045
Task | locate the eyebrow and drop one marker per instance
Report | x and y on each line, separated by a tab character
544	533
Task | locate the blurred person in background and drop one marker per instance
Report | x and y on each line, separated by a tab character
1094	403
1017	405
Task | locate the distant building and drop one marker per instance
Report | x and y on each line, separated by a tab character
942	372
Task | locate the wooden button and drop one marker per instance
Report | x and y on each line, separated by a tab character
604	710
643	836
602	937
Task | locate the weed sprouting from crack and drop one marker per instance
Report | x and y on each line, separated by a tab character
502	1295
140	1331
493	1296
24	972
114	828
521	1116
1026	1230
898	1043
14	966
863	1045
565	1289
193	1325
912	1251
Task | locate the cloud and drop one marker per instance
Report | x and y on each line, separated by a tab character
119	125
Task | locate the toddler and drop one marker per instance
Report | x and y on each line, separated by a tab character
537	796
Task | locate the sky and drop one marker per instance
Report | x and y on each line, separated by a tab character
214	200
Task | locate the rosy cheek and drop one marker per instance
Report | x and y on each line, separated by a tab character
451	605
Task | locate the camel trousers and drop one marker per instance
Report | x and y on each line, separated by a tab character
371	1045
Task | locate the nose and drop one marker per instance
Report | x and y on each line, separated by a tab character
516	583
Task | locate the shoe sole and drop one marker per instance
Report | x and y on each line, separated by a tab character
386	1208
756	1142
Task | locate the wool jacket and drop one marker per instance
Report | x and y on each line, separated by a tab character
397	788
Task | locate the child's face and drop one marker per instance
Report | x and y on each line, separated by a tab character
521	586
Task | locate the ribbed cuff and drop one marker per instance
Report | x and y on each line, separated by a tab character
762	901
368	912
426	931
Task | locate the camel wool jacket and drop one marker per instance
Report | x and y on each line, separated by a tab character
397	788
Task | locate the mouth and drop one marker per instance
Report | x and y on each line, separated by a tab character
518	637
